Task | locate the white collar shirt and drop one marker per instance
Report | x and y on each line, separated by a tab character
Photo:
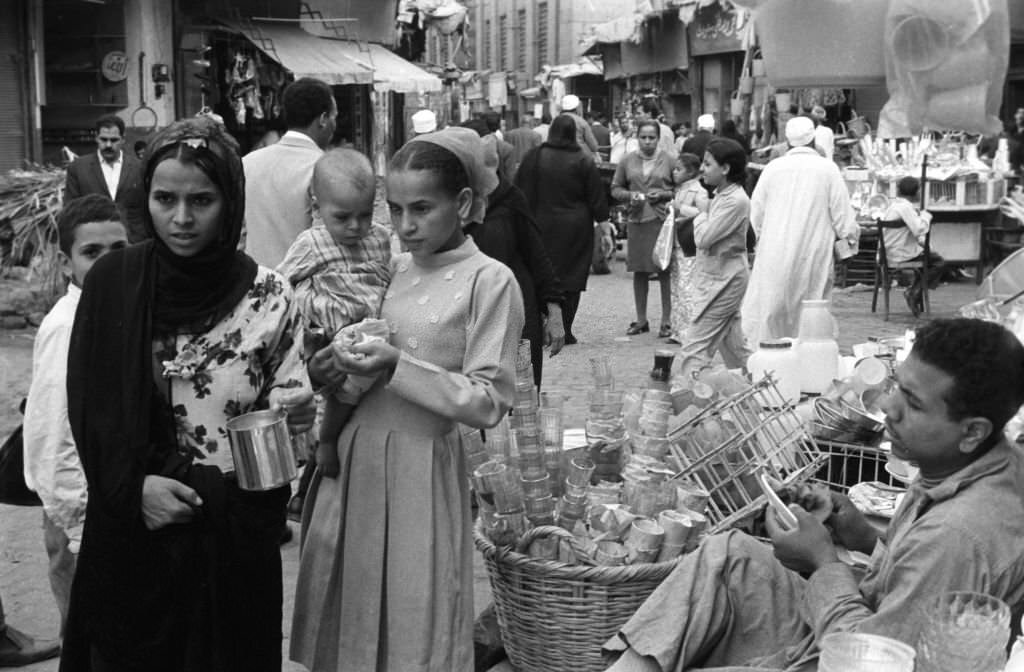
112	173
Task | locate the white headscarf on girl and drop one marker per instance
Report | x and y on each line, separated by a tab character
467	146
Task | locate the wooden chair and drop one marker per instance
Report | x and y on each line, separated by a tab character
884	271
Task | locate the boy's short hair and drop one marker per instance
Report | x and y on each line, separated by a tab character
343	162
83	210
908	186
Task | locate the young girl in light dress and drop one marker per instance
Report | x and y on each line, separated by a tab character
691	199
386	574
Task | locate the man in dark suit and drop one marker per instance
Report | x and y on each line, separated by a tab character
601	134
110	172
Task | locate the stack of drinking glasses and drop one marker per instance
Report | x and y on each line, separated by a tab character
573	505
552	414
646	488
604	425
964	632
528	444
500	499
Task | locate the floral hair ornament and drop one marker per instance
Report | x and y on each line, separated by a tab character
195	143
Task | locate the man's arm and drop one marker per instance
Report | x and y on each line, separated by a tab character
929	559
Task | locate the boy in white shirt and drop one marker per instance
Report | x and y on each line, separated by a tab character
907	244
88	227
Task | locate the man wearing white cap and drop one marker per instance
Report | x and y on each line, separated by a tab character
424	121
824	138
705	133
799	208
584	135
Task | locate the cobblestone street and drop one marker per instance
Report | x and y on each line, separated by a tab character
605	312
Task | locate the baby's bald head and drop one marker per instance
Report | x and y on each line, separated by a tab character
343	165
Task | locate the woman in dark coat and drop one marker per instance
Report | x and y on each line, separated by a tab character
566	195
509	234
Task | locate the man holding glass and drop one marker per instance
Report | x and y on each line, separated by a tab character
960	527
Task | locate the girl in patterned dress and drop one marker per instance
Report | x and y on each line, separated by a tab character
691	199
386	573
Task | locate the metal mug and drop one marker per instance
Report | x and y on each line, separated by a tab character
261	447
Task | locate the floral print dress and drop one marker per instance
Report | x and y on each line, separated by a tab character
230	369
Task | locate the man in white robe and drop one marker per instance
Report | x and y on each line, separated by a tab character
799	208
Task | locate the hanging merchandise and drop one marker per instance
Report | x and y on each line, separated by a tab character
945	66
243	87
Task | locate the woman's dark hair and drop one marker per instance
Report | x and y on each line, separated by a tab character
83	210
690	161
986	362
563	133
478	125
729	129
729	153
422	155
304	100
653	123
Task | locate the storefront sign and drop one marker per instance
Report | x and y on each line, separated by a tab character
716	29
115	66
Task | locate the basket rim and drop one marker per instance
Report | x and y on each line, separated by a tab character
555	569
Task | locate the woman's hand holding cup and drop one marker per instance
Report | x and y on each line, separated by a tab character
297	402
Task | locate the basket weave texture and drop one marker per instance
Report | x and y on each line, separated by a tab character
554	617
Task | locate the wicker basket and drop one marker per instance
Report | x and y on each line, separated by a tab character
554	617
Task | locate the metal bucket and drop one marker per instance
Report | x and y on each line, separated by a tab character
261	447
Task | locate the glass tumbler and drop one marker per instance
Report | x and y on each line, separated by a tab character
964	632
858	652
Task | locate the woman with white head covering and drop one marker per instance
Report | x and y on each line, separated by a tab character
386	574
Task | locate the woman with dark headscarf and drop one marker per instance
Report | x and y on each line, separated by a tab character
179	568
566	195
509	234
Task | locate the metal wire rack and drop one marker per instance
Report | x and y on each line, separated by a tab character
725	447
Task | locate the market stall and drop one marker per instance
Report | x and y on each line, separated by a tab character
961	191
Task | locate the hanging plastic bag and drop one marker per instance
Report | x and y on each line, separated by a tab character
662	253
945	66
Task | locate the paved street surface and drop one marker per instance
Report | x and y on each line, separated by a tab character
605	312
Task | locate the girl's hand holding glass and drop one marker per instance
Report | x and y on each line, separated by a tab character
367	358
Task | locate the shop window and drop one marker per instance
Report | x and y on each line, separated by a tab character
86	63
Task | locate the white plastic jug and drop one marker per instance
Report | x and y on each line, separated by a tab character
817	348
779	357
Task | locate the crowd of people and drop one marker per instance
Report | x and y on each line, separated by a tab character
205	285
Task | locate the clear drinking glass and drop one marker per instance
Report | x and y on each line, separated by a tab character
964	631
857	652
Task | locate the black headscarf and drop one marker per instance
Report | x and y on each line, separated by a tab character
194	293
